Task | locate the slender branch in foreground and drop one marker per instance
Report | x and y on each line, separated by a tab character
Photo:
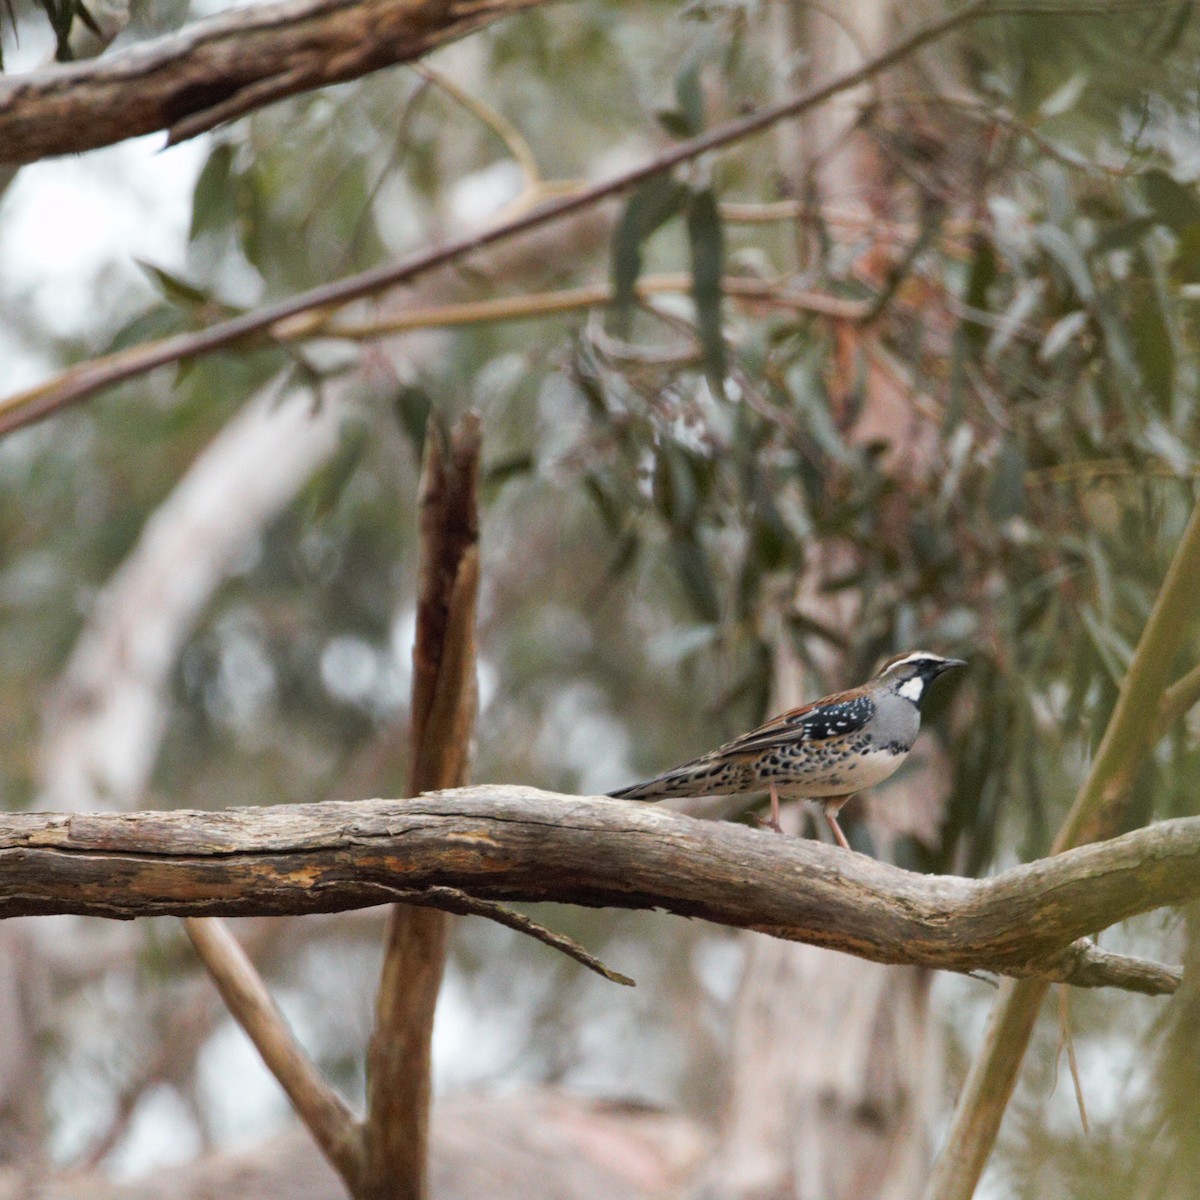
86	379
223	67
325	1114
1144	711
516	843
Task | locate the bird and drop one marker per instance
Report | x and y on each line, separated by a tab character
825	751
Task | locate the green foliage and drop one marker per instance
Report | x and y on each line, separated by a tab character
649	208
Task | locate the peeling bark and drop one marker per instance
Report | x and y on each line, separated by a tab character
515	843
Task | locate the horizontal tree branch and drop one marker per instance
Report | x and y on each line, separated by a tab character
516	843
223	67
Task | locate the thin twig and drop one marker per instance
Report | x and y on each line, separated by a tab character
503	128
453	900
1068	1042
86	379
747	212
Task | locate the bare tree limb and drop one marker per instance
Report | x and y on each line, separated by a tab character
223	67
325	1114
516	843
399	1066
86	379
1144	711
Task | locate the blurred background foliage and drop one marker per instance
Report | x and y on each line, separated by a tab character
989	451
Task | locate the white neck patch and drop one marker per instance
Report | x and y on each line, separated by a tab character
912	689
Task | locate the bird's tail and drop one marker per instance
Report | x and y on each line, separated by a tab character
701	777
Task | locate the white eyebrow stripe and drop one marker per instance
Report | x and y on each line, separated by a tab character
915	656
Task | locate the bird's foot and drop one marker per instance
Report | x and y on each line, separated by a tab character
769	823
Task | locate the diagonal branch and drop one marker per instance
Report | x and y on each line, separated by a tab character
222	68
324	1113
86	379
517	843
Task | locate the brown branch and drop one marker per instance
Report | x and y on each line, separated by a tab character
516	843
86	379
451	900
224	67
324	1113
399	1068
1143	712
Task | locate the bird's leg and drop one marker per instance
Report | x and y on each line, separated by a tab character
773	821
831	807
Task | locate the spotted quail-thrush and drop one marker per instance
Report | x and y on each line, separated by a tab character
825	751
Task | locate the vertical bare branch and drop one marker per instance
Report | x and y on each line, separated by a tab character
1132	732
443	714
324	1113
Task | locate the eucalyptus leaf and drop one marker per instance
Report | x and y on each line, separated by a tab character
707	240
649	208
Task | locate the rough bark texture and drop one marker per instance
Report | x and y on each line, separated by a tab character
522	844
223	67
399	1067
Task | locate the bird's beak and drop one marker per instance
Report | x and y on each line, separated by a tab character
950	663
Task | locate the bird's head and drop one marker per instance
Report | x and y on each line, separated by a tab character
909	675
